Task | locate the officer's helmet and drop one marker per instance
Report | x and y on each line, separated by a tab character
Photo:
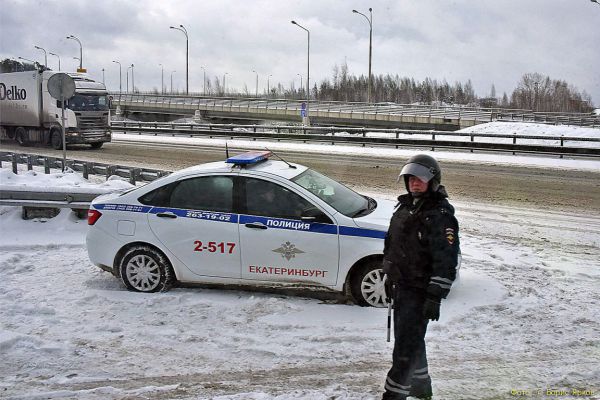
423	167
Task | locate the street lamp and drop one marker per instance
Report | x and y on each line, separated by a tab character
370	21
45	55
162	79
120	84
103	77
224	84
203	81
127	78
256	95
80	51
172	72
52	54
78	59
31	61
268	87
307	120
182	29
300	81
132	80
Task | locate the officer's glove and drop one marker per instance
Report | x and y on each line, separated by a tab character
389	289
431	308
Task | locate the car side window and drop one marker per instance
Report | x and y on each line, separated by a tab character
268	199
210	193
158	197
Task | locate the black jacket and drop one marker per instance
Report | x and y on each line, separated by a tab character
422	245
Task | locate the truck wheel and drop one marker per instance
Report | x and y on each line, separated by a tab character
56	139
97	145
21	136
367	285
10	133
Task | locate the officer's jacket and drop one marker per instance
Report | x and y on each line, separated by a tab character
422	245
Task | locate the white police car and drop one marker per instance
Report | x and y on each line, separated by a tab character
248	220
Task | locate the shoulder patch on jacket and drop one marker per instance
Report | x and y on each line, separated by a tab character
450	235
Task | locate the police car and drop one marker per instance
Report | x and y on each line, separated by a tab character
248	220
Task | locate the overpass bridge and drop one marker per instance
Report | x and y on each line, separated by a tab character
384	115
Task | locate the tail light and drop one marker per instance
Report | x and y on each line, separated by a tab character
93	216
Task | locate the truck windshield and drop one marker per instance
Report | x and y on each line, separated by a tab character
338	196
88	102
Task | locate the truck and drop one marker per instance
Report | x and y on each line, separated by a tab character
30	115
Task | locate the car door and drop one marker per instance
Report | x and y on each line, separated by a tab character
199	227
284	237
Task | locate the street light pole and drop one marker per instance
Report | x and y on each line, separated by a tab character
52	54
80	50
162	79
172	72
78	59
370	21
45	55
307	73
268	87
120	80
132	80
224	84
256	95
127	78
203	81
182	29
103	77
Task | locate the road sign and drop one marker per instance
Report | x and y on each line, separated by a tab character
61	86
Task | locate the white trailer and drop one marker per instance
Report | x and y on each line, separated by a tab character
30	115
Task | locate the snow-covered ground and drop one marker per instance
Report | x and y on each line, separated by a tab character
524	317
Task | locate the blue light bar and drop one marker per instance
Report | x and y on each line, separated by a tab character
251	157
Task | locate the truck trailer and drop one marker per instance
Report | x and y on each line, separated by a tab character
30	115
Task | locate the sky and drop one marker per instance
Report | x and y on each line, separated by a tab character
487	41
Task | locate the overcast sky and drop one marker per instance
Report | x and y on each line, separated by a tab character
487	41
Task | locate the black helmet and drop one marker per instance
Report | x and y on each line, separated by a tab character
423	167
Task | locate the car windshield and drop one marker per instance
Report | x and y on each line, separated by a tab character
88	102
338	196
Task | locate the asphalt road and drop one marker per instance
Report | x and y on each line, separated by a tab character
537	188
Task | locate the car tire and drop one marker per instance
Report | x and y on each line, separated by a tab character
367	285
145	269
56	139
96	145
21	136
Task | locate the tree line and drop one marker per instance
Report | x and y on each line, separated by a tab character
534	91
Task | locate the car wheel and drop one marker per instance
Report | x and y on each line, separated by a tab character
367	285
96	145
21	136
56	139
144	269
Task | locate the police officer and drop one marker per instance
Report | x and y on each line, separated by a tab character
420	259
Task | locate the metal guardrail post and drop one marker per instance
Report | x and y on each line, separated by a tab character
472	141
514	140
46	165
14	163
29	162
562	142
433	138
85	171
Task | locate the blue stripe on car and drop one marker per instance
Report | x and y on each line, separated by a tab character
274	223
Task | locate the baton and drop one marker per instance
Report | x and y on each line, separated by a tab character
389	316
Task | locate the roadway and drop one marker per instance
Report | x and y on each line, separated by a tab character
528	187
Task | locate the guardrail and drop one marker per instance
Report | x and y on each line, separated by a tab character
87	168
354	112
559	145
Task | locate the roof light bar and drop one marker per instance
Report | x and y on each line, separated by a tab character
251	157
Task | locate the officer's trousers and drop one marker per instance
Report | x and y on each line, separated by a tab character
409	374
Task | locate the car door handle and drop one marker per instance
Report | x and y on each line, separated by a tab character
256	225
166	215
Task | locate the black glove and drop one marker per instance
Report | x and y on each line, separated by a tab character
431	308
389	289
